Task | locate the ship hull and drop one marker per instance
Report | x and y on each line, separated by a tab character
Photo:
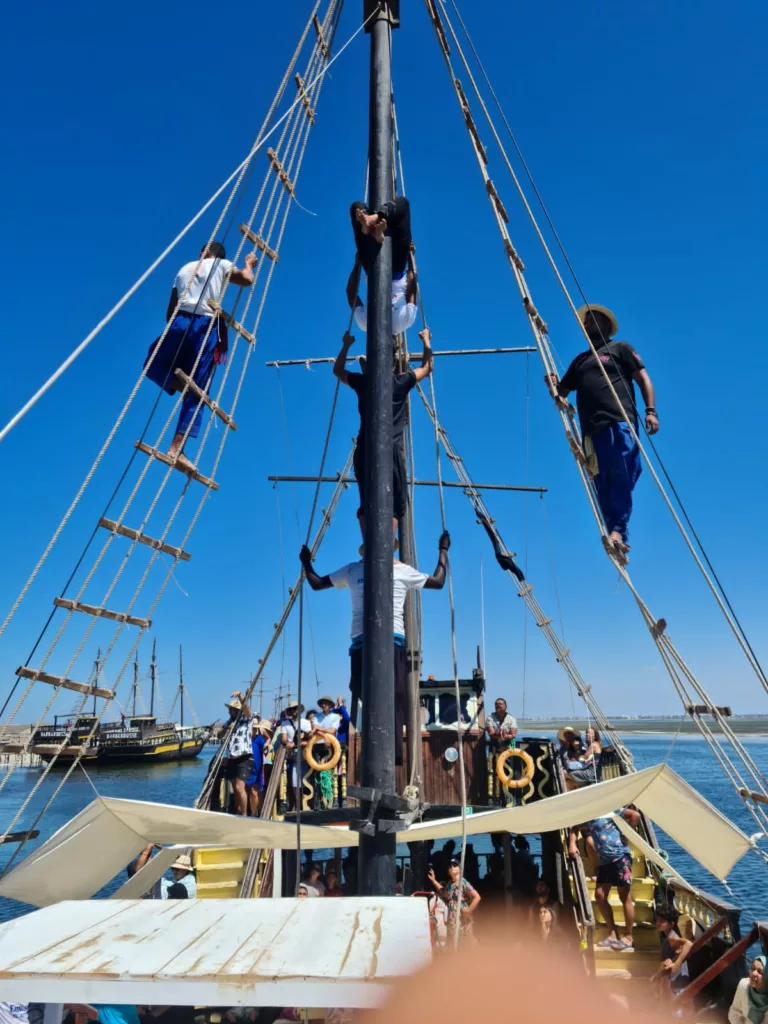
187	750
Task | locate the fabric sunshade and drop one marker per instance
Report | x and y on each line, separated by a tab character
99	842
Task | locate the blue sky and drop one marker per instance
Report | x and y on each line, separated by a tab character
643	127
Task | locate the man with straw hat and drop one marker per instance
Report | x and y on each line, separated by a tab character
238	759
611	451
183	886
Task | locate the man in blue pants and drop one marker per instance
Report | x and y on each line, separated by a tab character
197	337
613	456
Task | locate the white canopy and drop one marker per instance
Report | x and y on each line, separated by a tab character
284	952
97	844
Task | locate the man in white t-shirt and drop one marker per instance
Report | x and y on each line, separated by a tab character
294	731
404	578
196	339
393	220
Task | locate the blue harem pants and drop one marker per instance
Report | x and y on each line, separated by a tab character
179	350
619	468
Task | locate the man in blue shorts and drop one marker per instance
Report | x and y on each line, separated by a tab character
196	339
615	858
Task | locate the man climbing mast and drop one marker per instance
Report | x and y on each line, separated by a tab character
197	337
391	220
401	386
612	453
405	578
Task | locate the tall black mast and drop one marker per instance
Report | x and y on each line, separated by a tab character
376	866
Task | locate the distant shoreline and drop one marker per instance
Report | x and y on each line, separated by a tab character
743	725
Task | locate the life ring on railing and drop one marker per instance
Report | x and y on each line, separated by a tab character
327	740
507	780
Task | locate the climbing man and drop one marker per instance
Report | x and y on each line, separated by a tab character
393	219
404	578
197	337
612	453
401	386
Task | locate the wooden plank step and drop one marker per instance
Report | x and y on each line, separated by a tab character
212	405
19	837
142	538
271	254
280	171
226	866
234	324
219	885
153	453
304	98
65	684
321	43
101	613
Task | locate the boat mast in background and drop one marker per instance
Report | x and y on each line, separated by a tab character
135	687
97	672
376	872
152	676
181	686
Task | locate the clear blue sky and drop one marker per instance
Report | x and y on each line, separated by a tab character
644	126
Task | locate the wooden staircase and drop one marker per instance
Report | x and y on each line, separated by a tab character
645	959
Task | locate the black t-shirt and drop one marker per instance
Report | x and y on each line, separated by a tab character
596	405
401	385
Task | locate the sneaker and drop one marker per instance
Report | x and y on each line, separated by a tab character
607	944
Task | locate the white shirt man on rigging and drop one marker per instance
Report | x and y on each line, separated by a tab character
404	578
196	339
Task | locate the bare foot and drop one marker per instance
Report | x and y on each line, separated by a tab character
378	230
367	221
618	541
182	462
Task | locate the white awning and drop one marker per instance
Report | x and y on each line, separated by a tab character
714	841
99	842
283	952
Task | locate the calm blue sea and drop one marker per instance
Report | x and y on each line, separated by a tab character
180	784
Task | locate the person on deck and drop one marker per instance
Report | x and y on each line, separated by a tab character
615	859
612	453
460	897
404	578
197	337
261	735
564	737
332	886
293	730
750	1001
342	732
393	220
673	972
239	755
500	725
401	386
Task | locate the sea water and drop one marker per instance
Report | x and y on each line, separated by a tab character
180	783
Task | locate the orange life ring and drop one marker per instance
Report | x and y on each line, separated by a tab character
328	740
507	780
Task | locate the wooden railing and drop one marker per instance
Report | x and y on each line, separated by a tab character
731	955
